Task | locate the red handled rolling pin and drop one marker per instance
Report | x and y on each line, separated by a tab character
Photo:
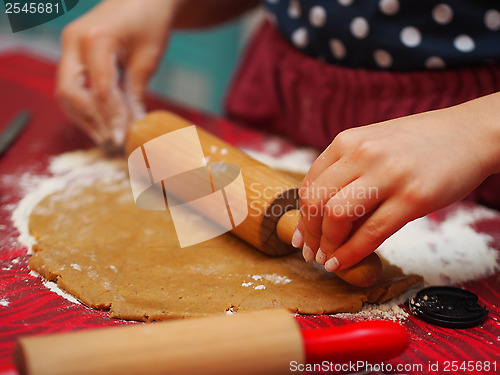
259	342
270	194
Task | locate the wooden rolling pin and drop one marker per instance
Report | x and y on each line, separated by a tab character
259	342
270	194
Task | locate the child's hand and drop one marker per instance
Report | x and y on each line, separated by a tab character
117	34
374	179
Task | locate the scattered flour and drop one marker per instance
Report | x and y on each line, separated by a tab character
272	278
78	167
21	214
69	161
447	252
24	182
298	161
15	185
389	310
76	266
52	286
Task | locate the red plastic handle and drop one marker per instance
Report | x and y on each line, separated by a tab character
371	341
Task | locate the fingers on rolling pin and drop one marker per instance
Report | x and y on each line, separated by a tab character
364	274
286	225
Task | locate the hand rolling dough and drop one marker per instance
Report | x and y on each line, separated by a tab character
110	254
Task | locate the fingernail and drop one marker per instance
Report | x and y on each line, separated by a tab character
134	101
137	108
118	136
307	253
320	257
332	264
297	238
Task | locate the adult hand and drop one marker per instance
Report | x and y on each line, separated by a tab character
372	180
108	56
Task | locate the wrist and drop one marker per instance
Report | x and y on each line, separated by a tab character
480	118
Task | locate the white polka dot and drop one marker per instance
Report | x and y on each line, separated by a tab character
382	58
410	36
389	7
294	9
317	16
464	43
492	19
359	27
300	37
337	48
345	2
435	62
442	14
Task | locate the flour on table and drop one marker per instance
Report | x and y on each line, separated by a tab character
447	252
390	310
69	169
20	184
73	168
298	161
11	264
52	286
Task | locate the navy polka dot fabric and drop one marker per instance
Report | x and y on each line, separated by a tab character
392	34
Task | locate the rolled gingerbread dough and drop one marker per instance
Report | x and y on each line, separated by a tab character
100	247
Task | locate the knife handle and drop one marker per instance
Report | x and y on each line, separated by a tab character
13	129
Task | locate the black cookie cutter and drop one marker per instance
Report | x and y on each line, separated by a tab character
448	307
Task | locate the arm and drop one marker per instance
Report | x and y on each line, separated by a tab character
129	35
373	180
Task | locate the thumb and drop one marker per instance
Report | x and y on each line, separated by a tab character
140	67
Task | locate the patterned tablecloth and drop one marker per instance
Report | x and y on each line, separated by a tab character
27	307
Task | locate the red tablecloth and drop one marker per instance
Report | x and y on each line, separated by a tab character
30	309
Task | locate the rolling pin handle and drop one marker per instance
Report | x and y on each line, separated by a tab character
364	274
371	341
286	225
